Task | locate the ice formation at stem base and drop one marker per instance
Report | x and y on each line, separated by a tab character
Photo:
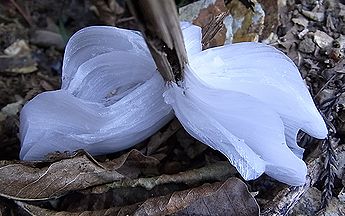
246	100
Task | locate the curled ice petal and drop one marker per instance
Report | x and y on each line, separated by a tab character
93	41
107	76
58	121
268	75
208	130
253	101
111	98
246	130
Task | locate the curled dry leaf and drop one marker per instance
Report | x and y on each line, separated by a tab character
222	198
214	172
229	198
24	181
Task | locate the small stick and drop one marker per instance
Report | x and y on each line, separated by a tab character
160	26
26	16
218	171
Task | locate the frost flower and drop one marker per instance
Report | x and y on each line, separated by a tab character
246	100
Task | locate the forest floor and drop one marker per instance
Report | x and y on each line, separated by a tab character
170	173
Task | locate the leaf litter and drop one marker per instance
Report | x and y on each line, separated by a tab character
231	196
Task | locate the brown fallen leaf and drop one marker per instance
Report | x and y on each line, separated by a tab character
38	211
40	181
222	198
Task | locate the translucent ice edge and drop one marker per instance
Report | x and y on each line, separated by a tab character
246	100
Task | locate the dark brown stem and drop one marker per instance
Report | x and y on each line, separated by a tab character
160	27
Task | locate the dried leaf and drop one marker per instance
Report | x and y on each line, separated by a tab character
24	181
214	172
228	198
38	211
302	21
222	198
287	198
340	172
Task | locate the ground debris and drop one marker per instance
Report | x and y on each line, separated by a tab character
307	45
310	204
18	58
47	38
23	181
222	198
322	39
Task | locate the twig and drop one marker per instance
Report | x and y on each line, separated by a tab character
329	162
160	27
325	85
214	172
328	173
23	13
212	28
125	19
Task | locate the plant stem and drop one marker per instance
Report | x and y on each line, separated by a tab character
160	27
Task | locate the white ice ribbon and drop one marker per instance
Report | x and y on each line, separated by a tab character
246	100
